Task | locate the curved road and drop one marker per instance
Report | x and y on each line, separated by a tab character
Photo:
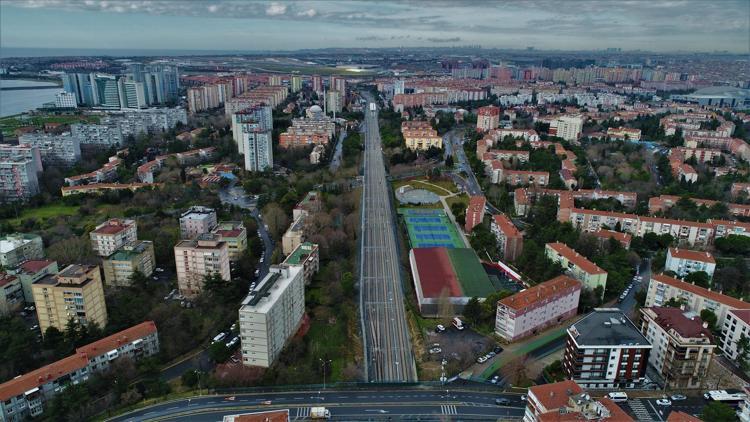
387	404
388	353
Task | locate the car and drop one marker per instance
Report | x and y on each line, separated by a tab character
497	350
156	278
231	398
233	327
231	343
481	359
435	345
23	313
502	402
34	328
440	328
491	354
32	308
266	402
663	402
257	272
262	259
678	397
158	270
495	379
435	350
523	397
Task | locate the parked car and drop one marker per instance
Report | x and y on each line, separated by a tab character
663	402
491	354
678	397
481	359
523	397
497	350
440	328
495	379
435	350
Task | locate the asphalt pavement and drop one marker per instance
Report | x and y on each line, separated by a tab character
388	352
386	404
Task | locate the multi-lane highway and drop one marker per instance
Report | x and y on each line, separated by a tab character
353	405
388	353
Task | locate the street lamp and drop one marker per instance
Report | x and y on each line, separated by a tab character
323	363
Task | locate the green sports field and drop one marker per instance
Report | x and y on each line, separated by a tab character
430	228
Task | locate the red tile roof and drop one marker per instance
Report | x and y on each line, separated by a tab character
623	238
556	395
118	339
436	272
540	292
577	259
700	291
35	265
678	416
691	255
506	226
674	318
112	226
742	314
41	376
6	278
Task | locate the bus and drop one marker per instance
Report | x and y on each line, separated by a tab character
730	397
373	107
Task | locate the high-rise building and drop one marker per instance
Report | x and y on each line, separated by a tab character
11	294
197	220
258	116
271	314
334	102
398	87
337	83
30	271
133	256
101	135
23	152
569	127
683	346
605	350
74	293
106	91
509	238
109	236
132	94
199	258
295	83
18	180
488	118
317	84
55	150
258	150
66	100
15	248
274	80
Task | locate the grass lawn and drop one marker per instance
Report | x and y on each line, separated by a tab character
62	210
463	199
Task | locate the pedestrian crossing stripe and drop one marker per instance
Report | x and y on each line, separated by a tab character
448	409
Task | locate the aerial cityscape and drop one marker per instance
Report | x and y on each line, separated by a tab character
267	211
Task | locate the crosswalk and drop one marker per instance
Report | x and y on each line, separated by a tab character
303	413
448	409
640	411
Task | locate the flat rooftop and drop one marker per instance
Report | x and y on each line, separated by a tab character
268	291
607	327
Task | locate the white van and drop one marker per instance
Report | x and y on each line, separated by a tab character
618	397
219	338
458	323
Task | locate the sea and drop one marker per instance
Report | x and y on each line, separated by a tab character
21	100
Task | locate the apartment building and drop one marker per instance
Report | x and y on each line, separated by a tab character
567	401
31	271
55	150
605	350
475	212
310	204
568	127
97	135
259	115
15	248
723	228
74	293
25	396
528	312
498	174
422	139
577	265
137	255
271	314
684	261
11	294
738	189
736	326
18	180
198	258
308	256
509	238
663	288
293	236
488	118
624	133
109	236
197	220
683	346
257	148
234	234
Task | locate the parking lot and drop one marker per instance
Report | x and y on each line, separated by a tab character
458	346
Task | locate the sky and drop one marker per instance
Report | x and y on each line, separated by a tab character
654	25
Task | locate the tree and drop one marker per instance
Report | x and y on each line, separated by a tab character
473	311
449	161
743	352
709	316
219	352
674	302
718	412
699	278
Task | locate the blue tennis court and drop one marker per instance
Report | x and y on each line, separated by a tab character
430	228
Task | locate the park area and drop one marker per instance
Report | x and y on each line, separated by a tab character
429	228
9	124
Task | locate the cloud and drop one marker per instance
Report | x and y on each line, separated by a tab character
442	40
275	9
